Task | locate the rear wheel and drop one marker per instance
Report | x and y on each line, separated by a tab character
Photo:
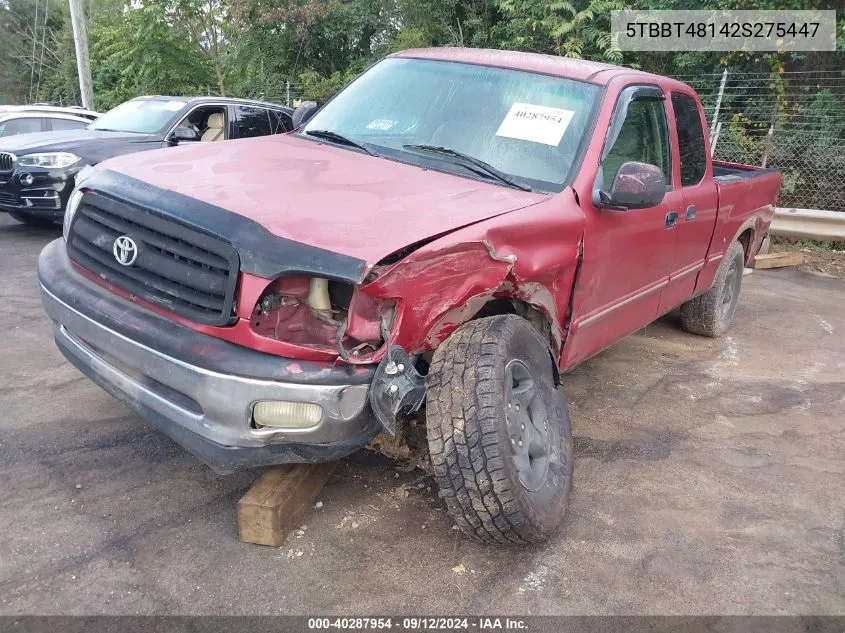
499	432
32	220
711	313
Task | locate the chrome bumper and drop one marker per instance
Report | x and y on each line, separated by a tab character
180	395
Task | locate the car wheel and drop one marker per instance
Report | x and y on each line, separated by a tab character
711	314
499	432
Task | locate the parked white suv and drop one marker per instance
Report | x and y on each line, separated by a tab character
27	119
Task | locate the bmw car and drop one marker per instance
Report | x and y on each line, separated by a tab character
38	171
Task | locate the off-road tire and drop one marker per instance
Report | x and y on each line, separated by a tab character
468	436
32	220
710	314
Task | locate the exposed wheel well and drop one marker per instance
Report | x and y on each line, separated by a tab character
745	239
533	315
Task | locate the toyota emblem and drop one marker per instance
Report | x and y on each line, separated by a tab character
125	250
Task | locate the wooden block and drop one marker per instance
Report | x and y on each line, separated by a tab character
277	501
778	260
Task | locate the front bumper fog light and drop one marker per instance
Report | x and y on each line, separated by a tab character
287	415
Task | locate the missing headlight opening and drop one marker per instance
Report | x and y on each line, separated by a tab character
323	314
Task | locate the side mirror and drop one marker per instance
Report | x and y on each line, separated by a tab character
635	186
183	134
303	113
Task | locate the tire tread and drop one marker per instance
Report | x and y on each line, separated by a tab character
462	416
702	315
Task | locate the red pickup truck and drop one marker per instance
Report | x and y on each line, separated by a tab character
443	239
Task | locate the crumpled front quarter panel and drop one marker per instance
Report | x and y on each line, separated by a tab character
531	255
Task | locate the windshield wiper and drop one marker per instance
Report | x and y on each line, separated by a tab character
485	168
340	138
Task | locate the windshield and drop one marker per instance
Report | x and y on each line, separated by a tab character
527	125
142	117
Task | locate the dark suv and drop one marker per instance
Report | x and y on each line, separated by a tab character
38	171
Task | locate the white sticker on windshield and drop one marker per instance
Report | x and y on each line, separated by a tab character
174	106
381	124
535	123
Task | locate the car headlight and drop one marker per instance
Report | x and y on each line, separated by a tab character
70	210
50	160
332	316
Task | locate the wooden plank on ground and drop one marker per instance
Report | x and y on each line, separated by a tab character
778	260
276	502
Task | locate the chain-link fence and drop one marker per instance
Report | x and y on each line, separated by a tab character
279	90
793	122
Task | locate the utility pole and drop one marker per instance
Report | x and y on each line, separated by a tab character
719	102
83	65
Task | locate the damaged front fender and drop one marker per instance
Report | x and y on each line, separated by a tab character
528	256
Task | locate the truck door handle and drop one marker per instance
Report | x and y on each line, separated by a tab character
690	213
671	219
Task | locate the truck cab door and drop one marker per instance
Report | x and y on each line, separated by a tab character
627	253
693	175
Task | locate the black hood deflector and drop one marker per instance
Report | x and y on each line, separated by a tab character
261	253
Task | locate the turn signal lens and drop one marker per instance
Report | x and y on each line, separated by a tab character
287	415
70	210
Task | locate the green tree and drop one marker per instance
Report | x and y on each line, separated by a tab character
142	50
572	29
31	51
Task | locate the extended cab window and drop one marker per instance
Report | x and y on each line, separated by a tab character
253	122
644	138
690	139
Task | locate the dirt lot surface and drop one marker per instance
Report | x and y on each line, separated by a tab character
825	261
709	479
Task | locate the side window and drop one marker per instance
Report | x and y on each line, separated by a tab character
644	138
21	126
253	121
66	124
207	124
282	122
691	149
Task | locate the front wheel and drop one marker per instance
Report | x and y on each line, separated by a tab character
499	432
711	313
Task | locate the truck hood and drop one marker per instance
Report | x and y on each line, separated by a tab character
91	145
329	197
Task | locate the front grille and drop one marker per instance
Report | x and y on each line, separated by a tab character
180	269
8	199
7	162
41	199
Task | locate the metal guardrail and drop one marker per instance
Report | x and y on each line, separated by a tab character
809	224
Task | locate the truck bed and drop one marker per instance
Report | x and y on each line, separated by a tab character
747	199
725	172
